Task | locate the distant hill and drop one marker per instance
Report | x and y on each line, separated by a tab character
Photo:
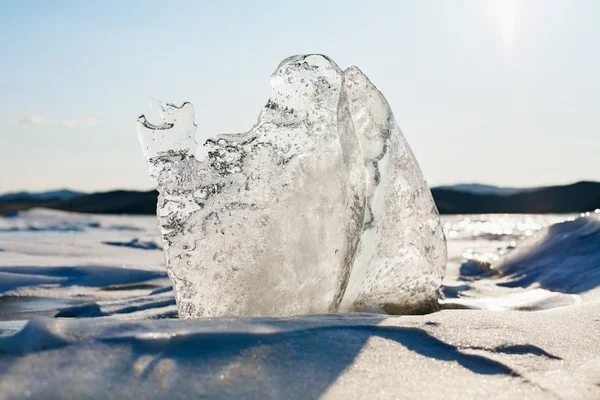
578	197
62	194
478	188
114	202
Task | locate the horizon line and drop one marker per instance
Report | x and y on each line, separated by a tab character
3	193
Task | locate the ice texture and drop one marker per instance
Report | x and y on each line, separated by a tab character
320	207
402	257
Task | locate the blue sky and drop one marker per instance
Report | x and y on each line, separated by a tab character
504	92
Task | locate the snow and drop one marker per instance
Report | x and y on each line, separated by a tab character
118	334
67	257
449	354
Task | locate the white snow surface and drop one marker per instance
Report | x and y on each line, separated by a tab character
80	318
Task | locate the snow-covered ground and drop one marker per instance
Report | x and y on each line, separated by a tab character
84	265
525	325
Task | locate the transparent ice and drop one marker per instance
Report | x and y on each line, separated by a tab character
320	207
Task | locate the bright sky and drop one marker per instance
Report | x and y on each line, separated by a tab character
504	92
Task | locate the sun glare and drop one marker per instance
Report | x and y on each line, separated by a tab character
506	16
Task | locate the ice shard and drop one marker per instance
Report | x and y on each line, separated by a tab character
320	207
265	222
402	255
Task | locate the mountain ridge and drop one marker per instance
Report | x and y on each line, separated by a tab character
480	188
577	197
62	194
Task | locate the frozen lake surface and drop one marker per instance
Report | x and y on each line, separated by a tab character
521	298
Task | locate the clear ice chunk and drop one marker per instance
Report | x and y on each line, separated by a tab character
402	256
308	212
